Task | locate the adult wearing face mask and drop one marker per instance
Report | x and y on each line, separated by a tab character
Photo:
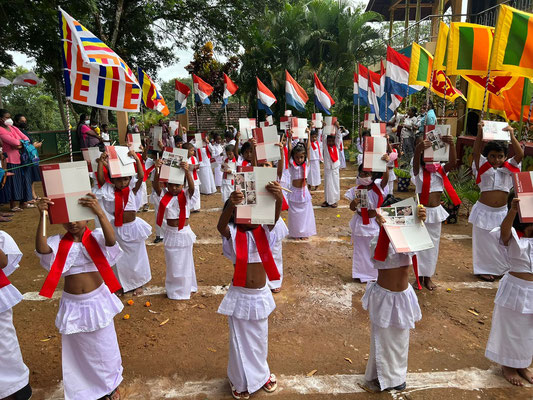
86	136
20	122
18	185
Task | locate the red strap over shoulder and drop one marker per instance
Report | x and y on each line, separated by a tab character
162	207
121	200
485	167
3	279
333	153
52	279
182	201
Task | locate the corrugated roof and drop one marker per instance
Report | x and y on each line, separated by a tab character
383	7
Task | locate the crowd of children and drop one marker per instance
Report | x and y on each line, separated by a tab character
91	360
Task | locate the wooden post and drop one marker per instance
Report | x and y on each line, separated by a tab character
122	125
417	18
391	22
406	25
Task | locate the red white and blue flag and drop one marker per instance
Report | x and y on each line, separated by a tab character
202	90
355	89
181	93
229	90
362	81
295	95
265	98
374	90
322	98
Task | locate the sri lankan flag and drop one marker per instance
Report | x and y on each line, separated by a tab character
513	42
151	97
439	62
468	49
420	67
442	87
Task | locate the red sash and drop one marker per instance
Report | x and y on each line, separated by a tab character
364	210
194	172
97	257
246	163
284	204
396	164
286	154
121	199
448	187
333	153
182	201
317	144
382	251
3	279
304	182
148	171
241	261
106	177
485	167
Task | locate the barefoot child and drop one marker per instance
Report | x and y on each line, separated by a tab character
494	178
228	166
315	157
217	152
430	180
363	224
393	309
249	302
301	214
193	168
91	361
511	333
14	374
331	169
122	199
174	208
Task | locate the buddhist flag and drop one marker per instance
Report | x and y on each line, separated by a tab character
420	67
468	49
151	97
439	62
94	74
513	42
442	84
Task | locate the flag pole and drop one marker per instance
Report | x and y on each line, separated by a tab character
443	118
226	112
485	95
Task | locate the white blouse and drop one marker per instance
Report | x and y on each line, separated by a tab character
372	197
228	245
9	295
297	171
519	251
173	207
107	196
495	178
436	183
78	260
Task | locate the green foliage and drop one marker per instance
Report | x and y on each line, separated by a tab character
465	186
402	173
527	163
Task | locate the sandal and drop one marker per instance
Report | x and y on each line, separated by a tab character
16	209
276	290
486	277
238	395
5	219
273	384
324	204
334	205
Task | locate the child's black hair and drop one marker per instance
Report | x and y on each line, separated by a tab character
375	175
245	147
228	136
366	132
299	148
229	148
216	135
496	146
314	131
187	146
178	139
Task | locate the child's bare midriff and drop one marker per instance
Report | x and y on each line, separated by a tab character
434	199
494	198
298	183
522	275
255	276
394	279
129	216
175	223
83	283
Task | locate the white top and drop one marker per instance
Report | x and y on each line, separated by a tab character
228	245
393	260
106	194
297	171
372	196
228	165
315	154
241	160
495	178
436	184
410	125
206	160
359	144
173	207
148	164
217	151
9	295
78	260
328	164
519	251
194	161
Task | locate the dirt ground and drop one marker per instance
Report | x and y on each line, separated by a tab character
318	324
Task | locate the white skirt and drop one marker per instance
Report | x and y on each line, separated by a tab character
511	333
248	368
144	194
332	188
247	304
427	259
133	268
391	309
14	374
218	174
196	204
486	254
180	279
486	217
342	159
360	229
362	265
313	178
387	361
9	297
226	190
301	214
208	181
